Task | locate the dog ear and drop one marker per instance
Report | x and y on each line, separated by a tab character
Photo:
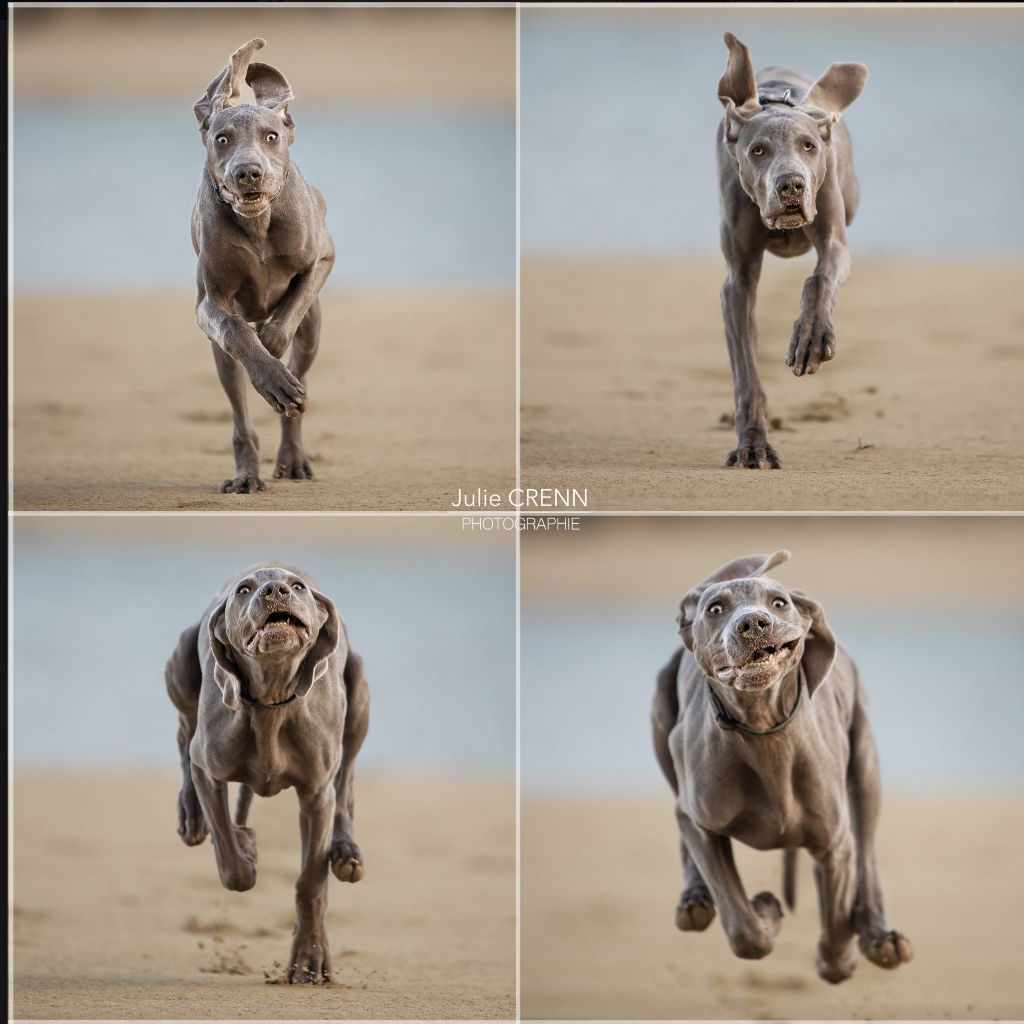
820	643
226	673
747	567
734	121
226	89
273	92
738	83
314	664
837	88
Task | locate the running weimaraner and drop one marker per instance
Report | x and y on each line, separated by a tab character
269	694
785	179
264	253
761	728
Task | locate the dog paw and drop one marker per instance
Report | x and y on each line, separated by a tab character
887	949
310	963
834	966
292	464
754	454
813	343
274	340
191	823
282	390
240	874
245	483
346	860
768	908
696	910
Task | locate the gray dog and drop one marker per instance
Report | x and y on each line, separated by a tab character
264	254
269	694
761	729
785	179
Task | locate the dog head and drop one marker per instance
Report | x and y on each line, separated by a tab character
247	145
748	631
271	622
782	150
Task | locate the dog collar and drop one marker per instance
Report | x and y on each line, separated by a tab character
246	699
729	723
785	98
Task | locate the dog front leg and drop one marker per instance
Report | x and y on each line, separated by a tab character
738	296
283	391
233	845
814	339
310	961
277	333
750	925
836	875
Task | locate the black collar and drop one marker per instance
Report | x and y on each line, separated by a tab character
729	723
246	699
786	98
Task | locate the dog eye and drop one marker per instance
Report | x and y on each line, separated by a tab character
271	136
757	151
779	602
298	586
222	140
715	609
244	589
810	147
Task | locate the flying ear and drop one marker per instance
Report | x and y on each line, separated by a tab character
315	663
747	567
837	88
272	91
226	673
226	89
738	83
820	643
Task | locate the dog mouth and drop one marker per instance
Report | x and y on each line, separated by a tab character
759	667
280	628
791	216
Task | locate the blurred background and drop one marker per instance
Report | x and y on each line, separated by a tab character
930	610
405	120
140	923
619	113
625	379
427	606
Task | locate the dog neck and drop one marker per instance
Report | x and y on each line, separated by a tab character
758	713
270	682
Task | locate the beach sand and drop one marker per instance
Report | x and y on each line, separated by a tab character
115	918
626	388
118	406
601	880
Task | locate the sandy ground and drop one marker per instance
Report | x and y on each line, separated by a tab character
601	880
626	388
118	406
339	55
115	918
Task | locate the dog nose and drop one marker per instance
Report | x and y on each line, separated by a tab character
753	624
249	174
276	588
790	187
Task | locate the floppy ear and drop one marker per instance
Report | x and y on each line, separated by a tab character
820	644
743	568
272	91
837	88
326	643
737	82
226	89
226	673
